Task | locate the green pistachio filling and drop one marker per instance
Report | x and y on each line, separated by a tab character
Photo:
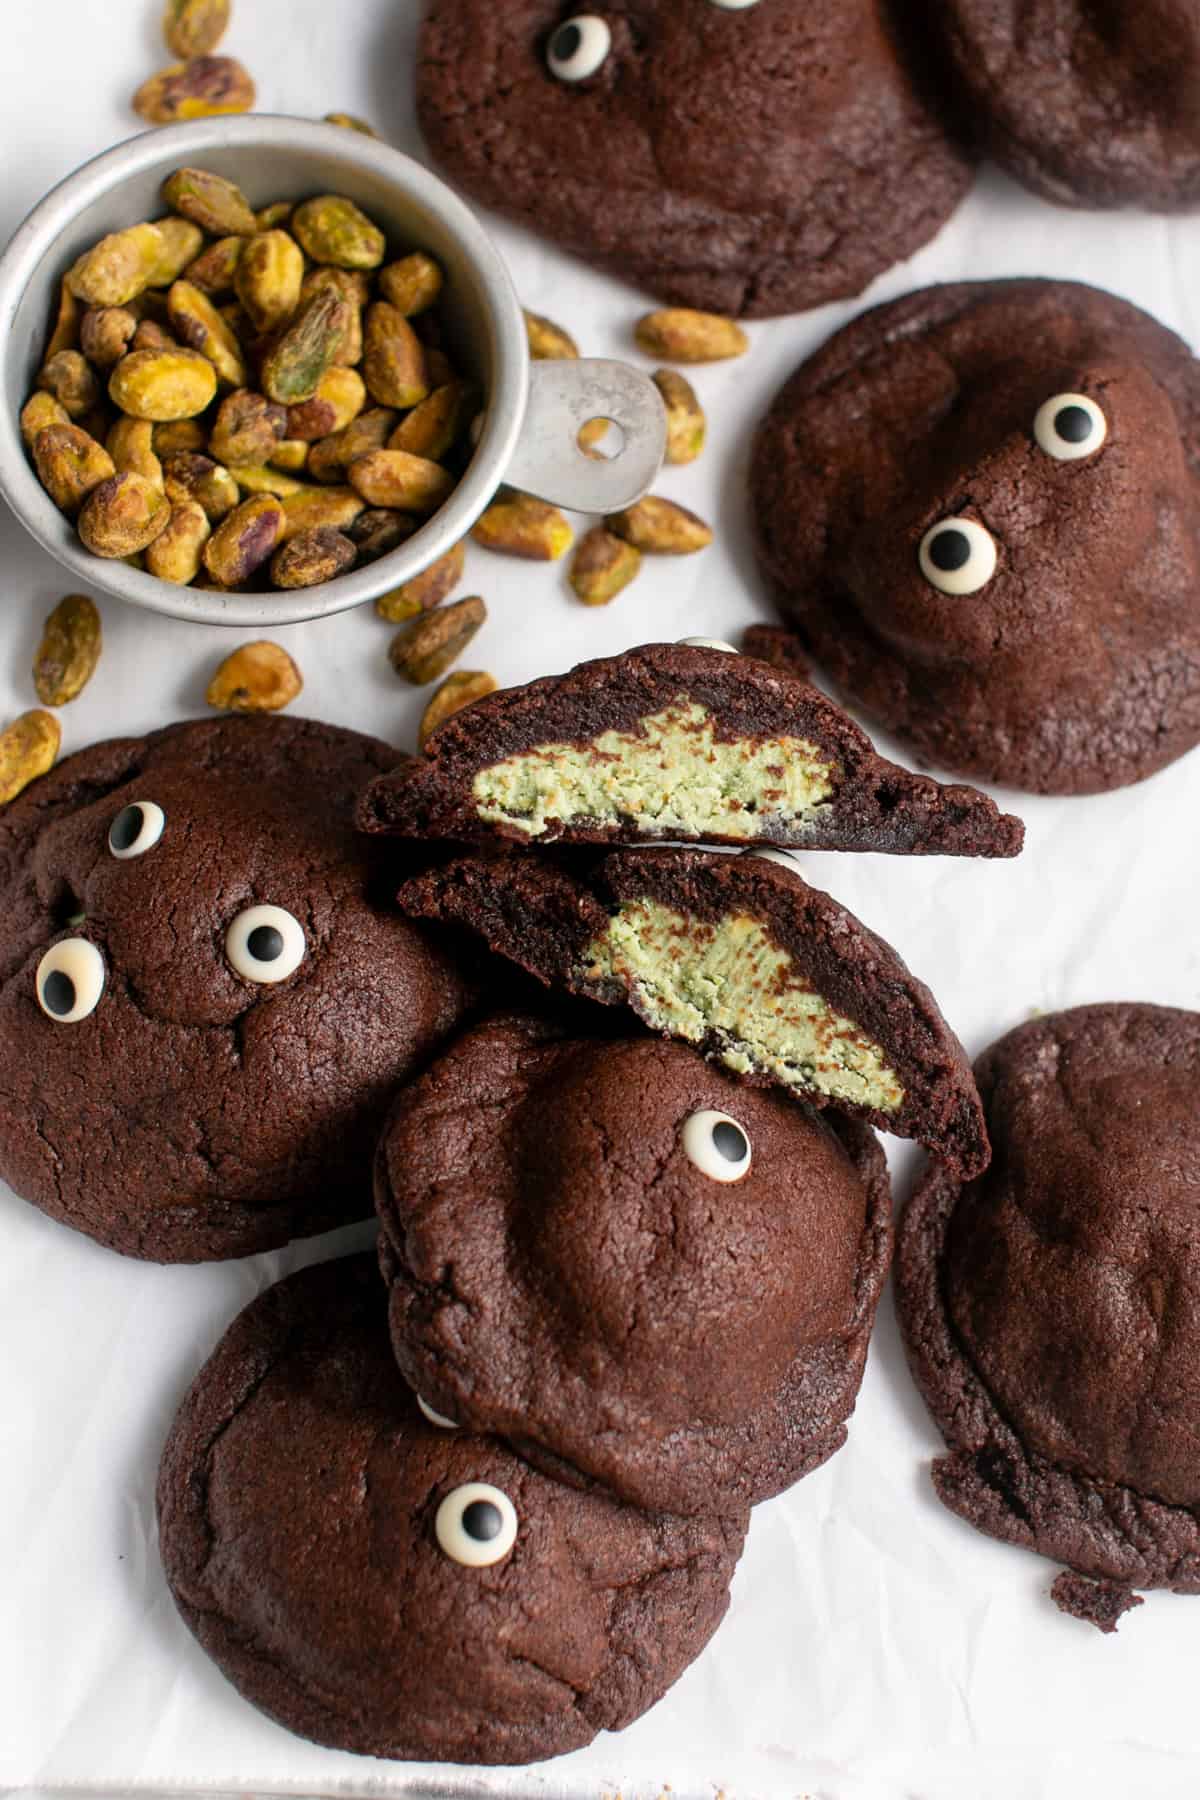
671	775
691	978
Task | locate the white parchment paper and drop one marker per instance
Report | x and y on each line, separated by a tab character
876	1648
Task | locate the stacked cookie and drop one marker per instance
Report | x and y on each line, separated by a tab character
762	156
635	1224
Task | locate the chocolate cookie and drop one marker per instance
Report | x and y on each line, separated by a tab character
981	507
1051	1310
738	955
746	158
382	1585
1089	102
638	1271
682	742
206	999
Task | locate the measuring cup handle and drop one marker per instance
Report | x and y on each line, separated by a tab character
563	396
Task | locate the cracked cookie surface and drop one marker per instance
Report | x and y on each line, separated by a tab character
210	1101
980	507
303	1504
752	160
575	1265
1086	102
1051	1309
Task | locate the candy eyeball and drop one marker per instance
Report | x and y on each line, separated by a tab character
957	556
734	5
476	1525
703	643
1069	427
717	1145
436	1418
70	980
579	47
136	829
265	944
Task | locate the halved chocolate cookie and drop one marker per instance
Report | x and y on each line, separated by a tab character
382	1585
630	1266
678	742
738	955
1051	1309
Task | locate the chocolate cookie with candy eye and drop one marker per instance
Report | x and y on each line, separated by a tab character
384	1586
1051	1308
677	742
737	955
980	507
207	1000
629	1266
755	158
1089	102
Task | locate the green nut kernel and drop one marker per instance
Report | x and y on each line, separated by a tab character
393	358
268	278
69	465
400	482
190	476
119	267
245	540
72	381
331	229
182	244
412	284
315	555
161	385
201	88
195	27
69	651
175	554
292	369
214	271
216	205
197	323
122	515
248	429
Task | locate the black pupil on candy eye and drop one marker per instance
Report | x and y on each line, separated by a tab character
265	944
125	828
950	550
729	1141
58	993
1073	425
565	43
482	1521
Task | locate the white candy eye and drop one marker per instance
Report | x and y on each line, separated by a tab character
957	556
265	944
710	644
70	981
578	48
436	1418
734	5
1070	426
476	1525
784	858
717	1145
136	829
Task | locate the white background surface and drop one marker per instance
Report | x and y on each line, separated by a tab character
876	1648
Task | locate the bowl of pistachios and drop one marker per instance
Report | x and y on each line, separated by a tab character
260	370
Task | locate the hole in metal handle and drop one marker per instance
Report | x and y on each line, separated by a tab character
565	399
